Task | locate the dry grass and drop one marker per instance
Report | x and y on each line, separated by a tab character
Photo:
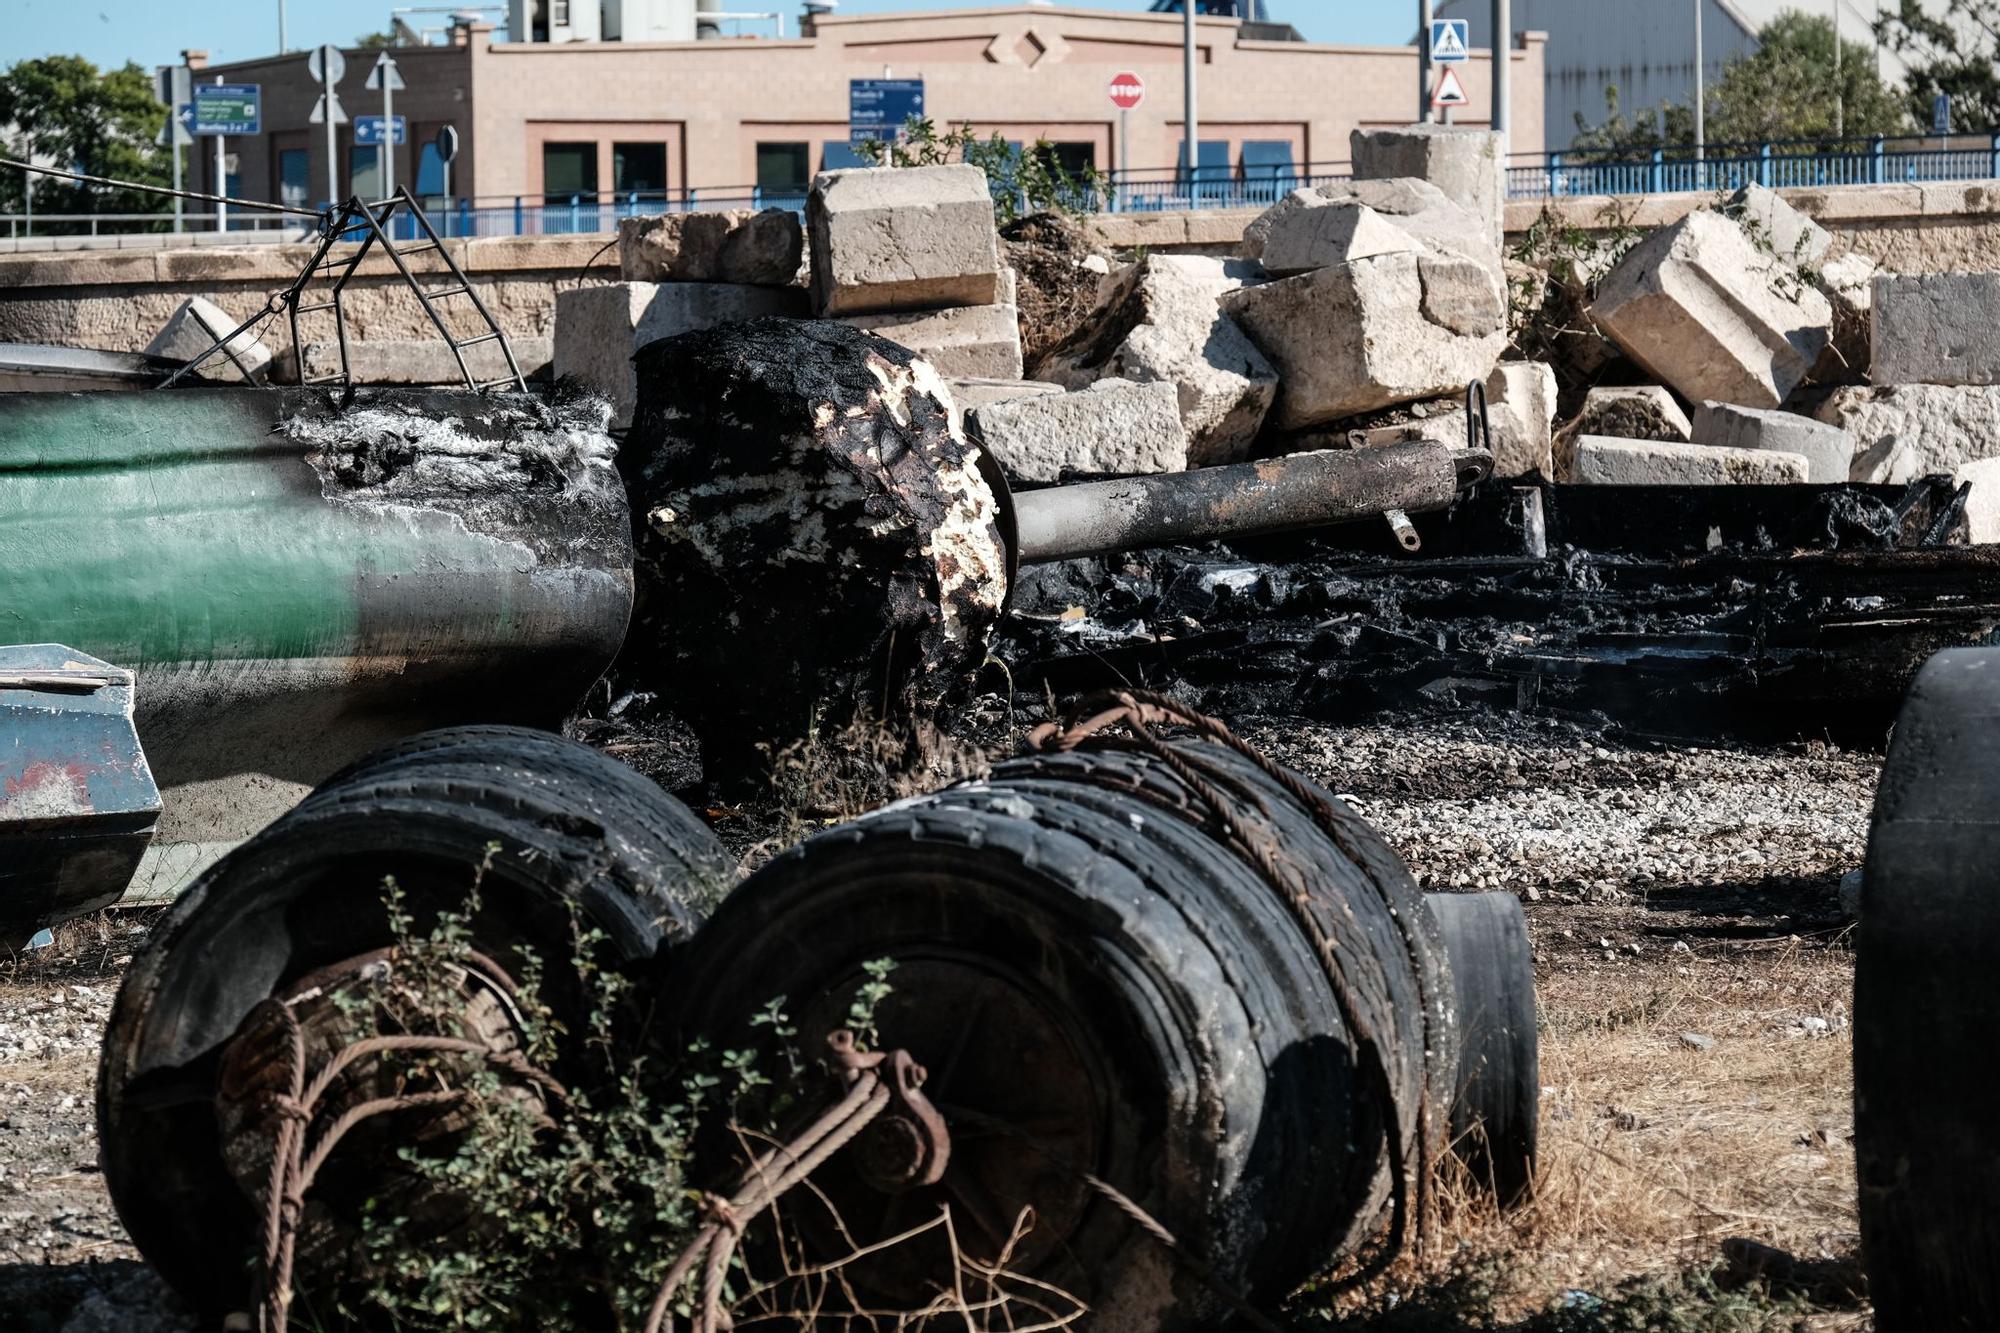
1681	1188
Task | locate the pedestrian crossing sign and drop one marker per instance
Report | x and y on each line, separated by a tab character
1451	41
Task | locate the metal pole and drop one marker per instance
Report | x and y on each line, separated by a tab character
1193	130
283	46
1124	153
332	149
1839	92
1503	72
1424	111
221	179
1700	87
388	149
179	203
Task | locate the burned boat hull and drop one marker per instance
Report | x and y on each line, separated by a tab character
294	581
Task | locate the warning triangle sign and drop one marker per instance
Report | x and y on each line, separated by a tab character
1450	92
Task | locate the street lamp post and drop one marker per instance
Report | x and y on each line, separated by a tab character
1193	131
1424	14
1700	87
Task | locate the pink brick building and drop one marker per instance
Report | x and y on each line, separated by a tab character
549	120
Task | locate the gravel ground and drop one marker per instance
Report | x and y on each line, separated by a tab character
1631	857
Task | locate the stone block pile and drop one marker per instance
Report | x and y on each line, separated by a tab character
1752	351
677	273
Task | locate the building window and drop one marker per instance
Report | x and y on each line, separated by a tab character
569	170
1215	165
364	171
784	168
1072	158
559	13
430	172
639	168
1268	168
294	177
838	155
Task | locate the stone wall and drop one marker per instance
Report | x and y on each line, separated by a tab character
118	299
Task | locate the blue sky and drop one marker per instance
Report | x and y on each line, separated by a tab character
153	32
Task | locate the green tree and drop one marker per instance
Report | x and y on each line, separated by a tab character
61	111
376	41
1951	52
1786	89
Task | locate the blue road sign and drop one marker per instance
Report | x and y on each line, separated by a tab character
1451	41
879	108
1941	114
368	130
228	109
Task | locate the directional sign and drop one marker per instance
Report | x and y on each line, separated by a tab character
1941	114
368	129
385	72
1450	92
230	109
879	108
319	116
1451	41
1127	90
326	64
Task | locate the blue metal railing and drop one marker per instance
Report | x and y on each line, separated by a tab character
1781	164
1723	166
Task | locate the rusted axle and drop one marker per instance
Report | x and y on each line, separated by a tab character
1243	499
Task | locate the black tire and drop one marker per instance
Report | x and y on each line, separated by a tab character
306	894
1092	996
1495	1109
1926	1008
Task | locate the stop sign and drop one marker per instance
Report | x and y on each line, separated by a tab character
1127	90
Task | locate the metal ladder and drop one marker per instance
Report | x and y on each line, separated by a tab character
373	222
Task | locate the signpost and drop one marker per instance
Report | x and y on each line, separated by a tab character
220	110
386	79
1450	44
173	85
879	108
1127	92
326	65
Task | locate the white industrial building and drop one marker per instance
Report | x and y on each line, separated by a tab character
1646	47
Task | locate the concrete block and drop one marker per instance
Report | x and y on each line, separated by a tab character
981	341
1326	231
1705	310
1828	450
1943	426
1940	328
424	360
970	393
197	326
1521	413
1112	428
1415	206
740	245
1602	461
908	238
1468	165
1633	412
1982	502
1357	337
599	328
1162	321
1795	238
1887	462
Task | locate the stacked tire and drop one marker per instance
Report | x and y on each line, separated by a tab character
557	837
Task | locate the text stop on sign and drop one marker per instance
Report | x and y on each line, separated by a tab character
1127	90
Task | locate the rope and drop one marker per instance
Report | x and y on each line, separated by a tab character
166	190
1139	711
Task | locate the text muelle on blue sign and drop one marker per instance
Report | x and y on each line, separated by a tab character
879	108
229	109
368	130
